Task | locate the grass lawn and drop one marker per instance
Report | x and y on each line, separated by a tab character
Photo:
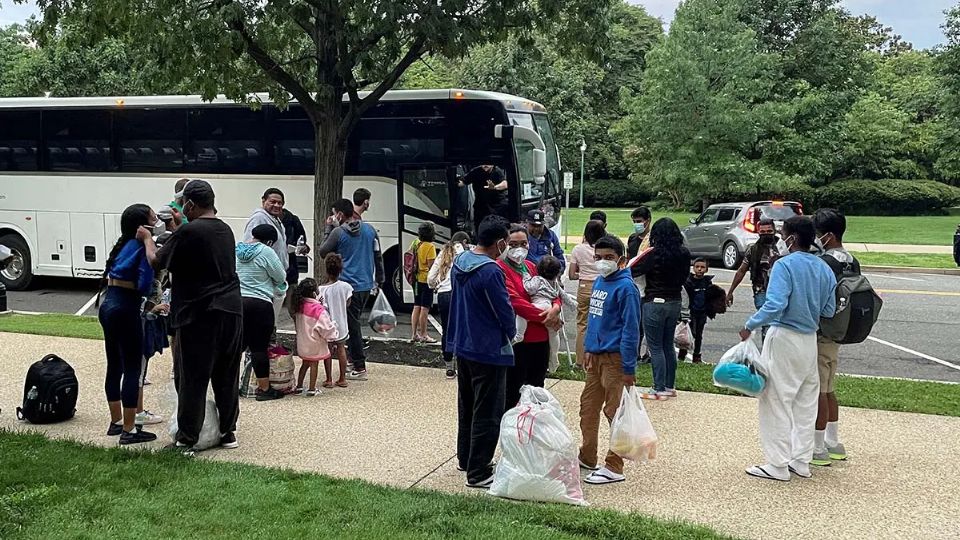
865	393
882	394
52	325
59	489
911	230
917	260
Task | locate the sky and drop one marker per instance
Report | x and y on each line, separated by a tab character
918	21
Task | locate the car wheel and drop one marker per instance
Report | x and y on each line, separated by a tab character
731	256
18	274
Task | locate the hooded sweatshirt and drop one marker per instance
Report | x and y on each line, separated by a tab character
261	274
613	320
315	328
357	242
262	217
800	292
482	322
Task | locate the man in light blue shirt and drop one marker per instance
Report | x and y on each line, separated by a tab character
801	290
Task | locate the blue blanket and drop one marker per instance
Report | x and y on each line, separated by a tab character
742	378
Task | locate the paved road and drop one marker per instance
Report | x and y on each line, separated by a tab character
918	335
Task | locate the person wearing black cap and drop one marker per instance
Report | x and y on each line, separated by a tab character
206	314
542	240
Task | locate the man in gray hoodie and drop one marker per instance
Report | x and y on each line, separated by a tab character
270	213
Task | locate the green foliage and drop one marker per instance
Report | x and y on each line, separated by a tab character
610	193
947	163
888	197
874	136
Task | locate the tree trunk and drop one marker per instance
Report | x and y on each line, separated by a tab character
327	176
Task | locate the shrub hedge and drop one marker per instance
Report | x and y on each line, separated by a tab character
609	193
888	197
855	197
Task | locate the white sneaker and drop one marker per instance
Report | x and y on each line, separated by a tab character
146	418
604	476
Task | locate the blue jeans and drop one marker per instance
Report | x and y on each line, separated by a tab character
659	324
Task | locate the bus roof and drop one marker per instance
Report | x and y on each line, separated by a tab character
513	103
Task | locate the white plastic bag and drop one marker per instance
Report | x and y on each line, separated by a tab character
741	369
631	432
209	433
382	318
683	336
539	456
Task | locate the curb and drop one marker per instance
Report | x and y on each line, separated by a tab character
911	270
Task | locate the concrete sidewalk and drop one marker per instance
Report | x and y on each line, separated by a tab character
899	248
399	429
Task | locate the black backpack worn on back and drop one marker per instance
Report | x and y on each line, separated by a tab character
858	305
50	392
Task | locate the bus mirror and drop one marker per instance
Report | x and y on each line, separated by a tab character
539	166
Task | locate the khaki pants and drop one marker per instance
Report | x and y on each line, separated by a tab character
601	392
828	355
583	305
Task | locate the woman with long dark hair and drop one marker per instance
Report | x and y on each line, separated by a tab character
439	279
129	278
666	265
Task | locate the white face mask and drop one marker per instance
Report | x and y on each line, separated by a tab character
517	254
783	248
605	267
458	248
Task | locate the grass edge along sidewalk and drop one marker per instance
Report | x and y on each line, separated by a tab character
862	392
81	490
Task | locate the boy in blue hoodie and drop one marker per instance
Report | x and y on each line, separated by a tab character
611	344
480	331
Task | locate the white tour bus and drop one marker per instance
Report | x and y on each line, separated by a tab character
69	166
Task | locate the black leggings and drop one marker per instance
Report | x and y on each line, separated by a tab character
257	329
530	362
123	339
443	306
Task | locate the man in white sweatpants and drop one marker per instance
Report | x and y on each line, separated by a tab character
801	290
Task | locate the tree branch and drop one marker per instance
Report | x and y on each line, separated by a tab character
416	50
270	66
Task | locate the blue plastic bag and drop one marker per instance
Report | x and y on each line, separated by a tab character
739	369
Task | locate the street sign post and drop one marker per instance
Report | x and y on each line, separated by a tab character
567	185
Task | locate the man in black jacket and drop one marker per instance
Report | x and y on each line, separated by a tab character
294	233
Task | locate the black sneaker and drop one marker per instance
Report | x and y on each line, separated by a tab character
451	374
181	448
481	484
229	441
136	437
114	430
269	394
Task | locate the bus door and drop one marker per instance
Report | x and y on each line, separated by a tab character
425	192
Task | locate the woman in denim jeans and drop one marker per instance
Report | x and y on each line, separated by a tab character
666	265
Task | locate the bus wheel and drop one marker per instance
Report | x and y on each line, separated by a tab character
17	275
393	276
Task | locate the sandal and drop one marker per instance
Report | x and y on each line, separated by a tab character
428	339
342	384
328	384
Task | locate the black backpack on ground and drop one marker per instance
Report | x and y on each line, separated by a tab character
50	392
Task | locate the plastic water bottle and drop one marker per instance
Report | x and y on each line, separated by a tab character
301	243
165	299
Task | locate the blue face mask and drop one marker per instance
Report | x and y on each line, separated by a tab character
640	228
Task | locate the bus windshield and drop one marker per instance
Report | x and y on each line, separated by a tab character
529	190
553	158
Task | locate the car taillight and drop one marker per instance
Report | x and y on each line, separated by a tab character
748	224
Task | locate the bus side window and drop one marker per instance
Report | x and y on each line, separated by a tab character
19	138
78	140
151	140
227	140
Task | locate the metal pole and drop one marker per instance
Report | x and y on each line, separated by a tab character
566	220
582	152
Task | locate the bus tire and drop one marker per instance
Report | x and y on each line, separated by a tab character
19	274
393	274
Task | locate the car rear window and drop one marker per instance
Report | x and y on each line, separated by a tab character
779	212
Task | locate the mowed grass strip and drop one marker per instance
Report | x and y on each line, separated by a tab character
867	393
907	230
52	324
910	260
862	392
62	489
